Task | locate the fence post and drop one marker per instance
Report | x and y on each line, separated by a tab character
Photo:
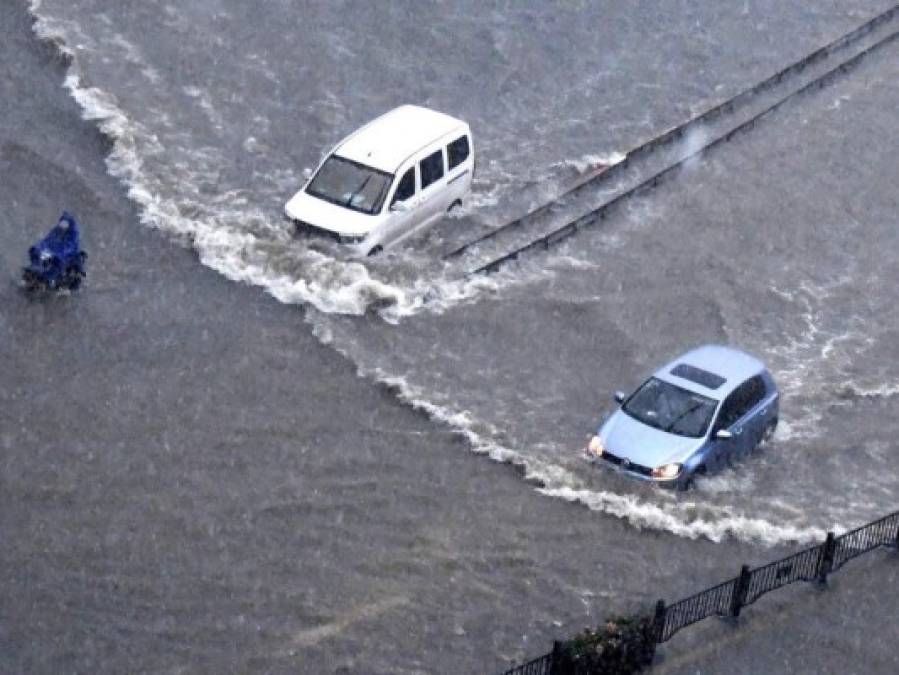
741	588
659	621
826	561
658	628
555	661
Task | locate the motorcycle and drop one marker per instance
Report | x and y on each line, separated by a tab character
56	261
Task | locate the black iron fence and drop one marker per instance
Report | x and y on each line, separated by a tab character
539	666
728	598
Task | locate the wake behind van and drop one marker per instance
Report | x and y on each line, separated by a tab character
393	177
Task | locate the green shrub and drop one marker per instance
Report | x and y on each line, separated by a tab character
621	646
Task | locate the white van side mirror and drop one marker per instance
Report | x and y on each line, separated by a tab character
619	396
399	207
307	173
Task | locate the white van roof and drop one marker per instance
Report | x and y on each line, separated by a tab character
386	142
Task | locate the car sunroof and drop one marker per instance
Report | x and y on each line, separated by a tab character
698	375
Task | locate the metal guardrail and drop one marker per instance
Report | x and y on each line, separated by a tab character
542	665
726	599
727	107
714	601
881	532
803	566
812	564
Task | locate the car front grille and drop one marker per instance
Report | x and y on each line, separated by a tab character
626	464
305	229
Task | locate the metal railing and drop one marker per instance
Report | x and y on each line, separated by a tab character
881	532
803	566
542	665
812	564
727	107
726	599
711	602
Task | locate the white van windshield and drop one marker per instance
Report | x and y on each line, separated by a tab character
350	184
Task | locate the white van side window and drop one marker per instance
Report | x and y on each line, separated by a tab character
457	152
431	168
405	188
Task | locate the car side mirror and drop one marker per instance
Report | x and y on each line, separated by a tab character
399	207
619	397
723	434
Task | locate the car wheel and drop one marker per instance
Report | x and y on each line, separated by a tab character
769	432
457	203
31	280
375	250
689	482
71	279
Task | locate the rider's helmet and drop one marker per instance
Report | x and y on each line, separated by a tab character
65	220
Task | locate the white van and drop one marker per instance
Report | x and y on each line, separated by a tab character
394	176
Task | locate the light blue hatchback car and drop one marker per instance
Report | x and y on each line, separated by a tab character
694	416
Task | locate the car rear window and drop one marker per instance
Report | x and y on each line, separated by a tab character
457	152
698	375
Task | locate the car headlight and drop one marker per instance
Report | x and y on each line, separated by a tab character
595	447
667	471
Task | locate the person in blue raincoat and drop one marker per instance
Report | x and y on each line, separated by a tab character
64	241
57	259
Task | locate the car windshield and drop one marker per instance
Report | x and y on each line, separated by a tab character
349	184
667	407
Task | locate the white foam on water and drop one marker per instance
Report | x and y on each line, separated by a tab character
838	102
691	147
439	297
884	390
591	161
206	104
809	358
729	482
133	54
572	262
681	518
